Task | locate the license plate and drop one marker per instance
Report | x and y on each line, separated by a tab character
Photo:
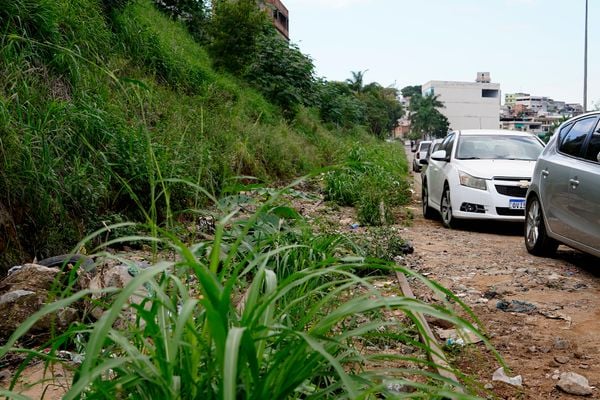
516	204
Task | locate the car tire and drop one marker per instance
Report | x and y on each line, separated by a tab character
428	212
537	240
448	219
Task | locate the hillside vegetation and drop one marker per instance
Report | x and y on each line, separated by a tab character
106	107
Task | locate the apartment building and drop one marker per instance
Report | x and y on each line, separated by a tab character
468	105
279	14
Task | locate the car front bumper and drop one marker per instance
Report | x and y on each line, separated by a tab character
502	201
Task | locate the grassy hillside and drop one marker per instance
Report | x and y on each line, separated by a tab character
103	107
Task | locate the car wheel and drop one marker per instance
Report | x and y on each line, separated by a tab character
446	209
427	211
537	240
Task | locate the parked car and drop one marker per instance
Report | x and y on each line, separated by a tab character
563	202
435	145
480	174
420	152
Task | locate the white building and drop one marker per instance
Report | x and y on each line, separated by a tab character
468	105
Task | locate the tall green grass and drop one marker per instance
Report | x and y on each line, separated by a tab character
373	178
266	309
87	94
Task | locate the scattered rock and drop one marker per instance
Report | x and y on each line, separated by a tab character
118	277
5	375
560	343
488	386
573	383
561	359
500	375
25	292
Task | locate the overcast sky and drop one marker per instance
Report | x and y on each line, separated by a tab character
531	46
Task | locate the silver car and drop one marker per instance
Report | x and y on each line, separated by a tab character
563	201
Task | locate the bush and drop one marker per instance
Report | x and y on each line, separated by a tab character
374	179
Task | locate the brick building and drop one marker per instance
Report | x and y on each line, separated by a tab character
280	15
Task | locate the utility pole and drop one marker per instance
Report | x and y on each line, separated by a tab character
585	56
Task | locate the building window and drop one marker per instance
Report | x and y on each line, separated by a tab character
490	93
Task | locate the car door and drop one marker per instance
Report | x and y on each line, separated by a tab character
585	193
437	170
557	177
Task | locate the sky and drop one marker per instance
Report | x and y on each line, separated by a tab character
530	46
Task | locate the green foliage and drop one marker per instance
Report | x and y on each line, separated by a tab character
235	29
339	105
425	117
373	179
351	102
80	143
193	13
410	91
382	109
282	73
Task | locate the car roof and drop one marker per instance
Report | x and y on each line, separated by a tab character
492	132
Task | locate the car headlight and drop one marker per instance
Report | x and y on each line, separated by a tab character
471	181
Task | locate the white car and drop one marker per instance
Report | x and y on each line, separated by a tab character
480	174
420	152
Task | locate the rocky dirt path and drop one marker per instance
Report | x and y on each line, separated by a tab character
555	329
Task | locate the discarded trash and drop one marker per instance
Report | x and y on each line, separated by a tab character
354	226
458	337
573	383
455	342
406	248
515	306
14	269
500	375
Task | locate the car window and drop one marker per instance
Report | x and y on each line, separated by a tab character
447	144
563	132
498	147
573	141
593	147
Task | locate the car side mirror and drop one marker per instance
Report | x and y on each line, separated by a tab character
439	155
423	161
413	150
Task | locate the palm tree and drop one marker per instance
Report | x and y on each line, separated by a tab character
425	118
356	82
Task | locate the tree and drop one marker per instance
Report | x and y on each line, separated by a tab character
382	108
234	29
410	91
339	105
282	73
356	82
425	117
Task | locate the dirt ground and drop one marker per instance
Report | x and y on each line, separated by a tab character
485	263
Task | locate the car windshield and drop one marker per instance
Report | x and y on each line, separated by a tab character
425	146
498	148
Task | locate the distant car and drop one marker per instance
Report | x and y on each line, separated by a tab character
420	152
480	174
435	145
563	202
